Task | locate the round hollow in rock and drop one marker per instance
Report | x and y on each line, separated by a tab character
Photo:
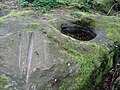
79	32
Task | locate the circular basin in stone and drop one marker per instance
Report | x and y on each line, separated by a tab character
79	32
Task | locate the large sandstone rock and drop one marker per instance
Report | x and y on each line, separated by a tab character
35	55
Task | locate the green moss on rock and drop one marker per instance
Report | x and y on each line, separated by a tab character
111	24
13	13
4	83
94	62
34	25
90	62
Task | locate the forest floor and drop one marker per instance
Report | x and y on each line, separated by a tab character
10	5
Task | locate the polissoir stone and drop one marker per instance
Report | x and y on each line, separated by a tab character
35	55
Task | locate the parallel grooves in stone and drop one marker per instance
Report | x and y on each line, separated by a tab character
30	52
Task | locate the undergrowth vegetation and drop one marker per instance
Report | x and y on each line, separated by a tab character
46	5
3	83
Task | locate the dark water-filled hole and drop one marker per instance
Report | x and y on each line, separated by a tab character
3	13
78	31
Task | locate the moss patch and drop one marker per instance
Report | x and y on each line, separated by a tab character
34	25
89	62
13	13
4	83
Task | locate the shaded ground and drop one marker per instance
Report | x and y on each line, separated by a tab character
111	80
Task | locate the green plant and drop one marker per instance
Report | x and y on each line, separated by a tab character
3	82
23	3
85	7
45	5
